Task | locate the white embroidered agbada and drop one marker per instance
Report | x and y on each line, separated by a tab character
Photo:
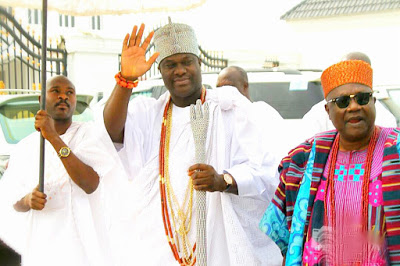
235	144
72	228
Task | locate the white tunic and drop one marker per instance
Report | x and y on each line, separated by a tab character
235	145
72	227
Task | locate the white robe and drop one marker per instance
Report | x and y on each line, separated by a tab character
235	144
280	139
72	229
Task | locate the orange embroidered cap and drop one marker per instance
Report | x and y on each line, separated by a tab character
344	72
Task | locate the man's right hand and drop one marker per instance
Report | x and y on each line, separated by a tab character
133	56
44	123
36	200
133	66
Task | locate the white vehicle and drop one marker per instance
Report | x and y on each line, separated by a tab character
389	96
291	92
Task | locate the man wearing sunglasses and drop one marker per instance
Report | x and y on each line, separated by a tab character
316	120
337	201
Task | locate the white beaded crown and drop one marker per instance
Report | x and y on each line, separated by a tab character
175	38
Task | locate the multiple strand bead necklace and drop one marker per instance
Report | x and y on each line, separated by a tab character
178	232
365	185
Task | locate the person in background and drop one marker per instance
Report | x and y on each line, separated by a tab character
268	117
336	203
236	77
316	120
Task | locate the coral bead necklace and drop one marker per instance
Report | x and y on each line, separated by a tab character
181	215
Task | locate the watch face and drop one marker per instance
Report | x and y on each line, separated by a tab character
64	152
228	179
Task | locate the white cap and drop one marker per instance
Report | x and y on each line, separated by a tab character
175	38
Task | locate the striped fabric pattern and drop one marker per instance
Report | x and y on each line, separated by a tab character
292	169
391	195
296	238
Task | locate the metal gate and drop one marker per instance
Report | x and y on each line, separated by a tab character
20	58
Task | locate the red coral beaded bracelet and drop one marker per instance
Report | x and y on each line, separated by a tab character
121	81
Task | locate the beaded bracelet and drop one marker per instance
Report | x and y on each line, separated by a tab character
121	81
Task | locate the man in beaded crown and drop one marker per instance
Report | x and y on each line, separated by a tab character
337	200
175	38
155	143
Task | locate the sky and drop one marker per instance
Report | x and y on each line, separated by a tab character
245	31
219	24
242	30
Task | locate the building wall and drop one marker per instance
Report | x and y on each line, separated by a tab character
92	62
312	43
323	41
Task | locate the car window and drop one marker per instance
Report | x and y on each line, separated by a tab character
157	91
82	113
290	103
17	117
141	93
393	103
395	95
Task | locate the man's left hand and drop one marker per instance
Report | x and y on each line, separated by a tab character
205	178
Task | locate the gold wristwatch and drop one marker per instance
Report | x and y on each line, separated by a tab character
64	152
228	180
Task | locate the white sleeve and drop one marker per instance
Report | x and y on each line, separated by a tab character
131	152
384	117
316	120
251	162
253	166
138	128
90	147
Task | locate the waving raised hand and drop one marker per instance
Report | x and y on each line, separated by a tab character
133	57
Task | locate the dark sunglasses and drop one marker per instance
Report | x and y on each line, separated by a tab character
362	98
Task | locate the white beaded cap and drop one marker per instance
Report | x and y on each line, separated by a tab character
175	38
